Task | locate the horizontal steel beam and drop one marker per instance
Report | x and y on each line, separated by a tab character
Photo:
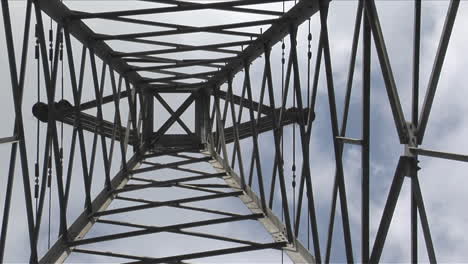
159	10
301	12
182	232
181	63
187	207
170	165
154	230
216	252
264	124
215	29
178	26
62	248
105	100
178	88
351	141
439	154
296	251
156	204
186	48
107	254
265	109
168	183
8	140
199	75
235	9
92	124
60	13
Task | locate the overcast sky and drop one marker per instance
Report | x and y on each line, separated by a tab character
443	182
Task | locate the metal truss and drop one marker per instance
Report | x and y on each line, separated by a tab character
213	139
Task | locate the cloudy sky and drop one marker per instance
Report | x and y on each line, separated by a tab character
443	182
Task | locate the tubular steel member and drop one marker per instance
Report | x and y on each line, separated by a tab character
66	114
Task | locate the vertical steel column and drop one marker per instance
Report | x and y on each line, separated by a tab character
390	85
402	169
148	121
253	127
77	91
17	89
202	113
437	67
220	127
98	91
61	249
272	224
305	143
277	121
118	119
414	117
132	112
236	149
50	81
239	118
365	162
334	123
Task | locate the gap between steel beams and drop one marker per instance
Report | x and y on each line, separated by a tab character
295	16
296	251
153	230
235	9
187	207
215	29
148	11
274	245
184	63
168	183
170	165
60	13
166	203
177	26
186	48
61	249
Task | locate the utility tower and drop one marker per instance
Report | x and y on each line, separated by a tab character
124	93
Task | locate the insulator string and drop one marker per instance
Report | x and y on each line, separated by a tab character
309	57
51	46
62	87
38	123
293	168
49	184
280	166
49	164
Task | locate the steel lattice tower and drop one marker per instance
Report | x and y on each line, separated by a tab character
229	110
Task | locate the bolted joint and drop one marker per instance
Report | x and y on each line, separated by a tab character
412	141
411	166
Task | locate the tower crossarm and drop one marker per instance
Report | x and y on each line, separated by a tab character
264	124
